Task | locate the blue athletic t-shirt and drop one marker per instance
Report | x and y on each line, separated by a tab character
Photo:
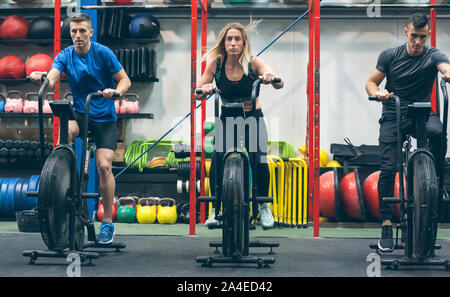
90	73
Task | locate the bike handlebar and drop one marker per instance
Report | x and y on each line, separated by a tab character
375	98
255	84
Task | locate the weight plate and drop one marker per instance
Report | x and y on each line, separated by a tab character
18	194
23	196
9	212
1	181
3	189
53	206
33	186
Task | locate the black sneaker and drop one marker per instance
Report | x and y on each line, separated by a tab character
386	243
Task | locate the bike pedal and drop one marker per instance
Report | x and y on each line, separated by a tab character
215	226
445	194
206	198
90	195
391	199
263	199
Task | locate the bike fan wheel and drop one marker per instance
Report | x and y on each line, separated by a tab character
233	206
426	200
53	202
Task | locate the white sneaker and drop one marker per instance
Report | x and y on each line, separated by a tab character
266	218
211	221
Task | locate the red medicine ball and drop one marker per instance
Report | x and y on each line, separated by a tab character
38	62
327	195
12	67
348	189
14	27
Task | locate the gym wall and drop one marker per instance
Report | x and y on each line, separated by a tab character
349	51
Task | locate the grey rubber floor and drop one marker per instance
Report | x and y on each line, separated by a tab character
174	256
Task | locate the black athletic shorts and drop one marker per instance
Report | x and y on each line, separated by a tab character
105	133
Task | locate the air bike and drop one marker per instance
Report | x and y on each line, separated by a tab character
420	209
233	193
62	208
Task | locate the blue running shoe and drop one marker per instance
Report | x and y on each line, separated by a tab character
106	234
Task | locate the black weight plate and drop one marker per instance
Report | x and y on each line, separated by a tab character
53	206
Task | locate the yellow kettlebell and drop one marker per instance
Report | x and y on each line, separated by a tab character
146	213
167	211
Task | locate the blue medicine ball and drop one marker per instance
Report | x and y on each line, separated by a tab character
144	26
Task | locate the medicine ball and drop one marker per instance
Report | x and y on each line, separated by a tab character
370	194
327	196
12	67
14	27
144	26
38	62
397	212
41	28
65	27
348	190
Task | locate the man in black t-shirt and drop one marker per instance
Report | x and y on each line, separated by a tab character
410	71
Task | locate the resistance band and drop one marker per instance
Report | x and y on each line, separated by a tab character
187	115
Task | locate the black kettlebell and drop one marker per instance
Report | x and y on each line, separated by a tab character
41	28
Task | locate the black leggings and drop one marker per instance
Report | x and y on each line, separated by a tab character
261	138
389	156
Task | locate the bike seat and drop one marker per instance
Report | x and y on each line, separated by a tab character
62	107
419	109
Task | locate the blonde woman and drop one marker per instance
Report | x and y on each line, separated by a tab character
233	68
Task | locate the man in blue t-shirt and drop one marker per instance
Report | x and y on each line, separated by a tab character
410	71
92	67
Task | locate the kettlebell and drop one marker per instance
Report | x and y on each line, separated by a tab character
101	211
30	105
126	212
115	209
132	105
46	105
146	213
167	211
117	105
14	105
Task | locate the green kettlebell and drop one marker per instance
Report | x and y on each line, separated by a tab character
127	210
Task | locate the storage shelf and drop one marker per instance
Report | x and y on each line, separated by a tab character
277	10
31	41
120	116
127	41
66	41
23	80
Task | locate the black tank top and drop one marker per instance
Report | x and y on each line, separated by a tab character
234	91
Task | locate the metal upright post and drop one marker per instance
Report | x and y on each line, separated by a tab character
192	180
203	111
